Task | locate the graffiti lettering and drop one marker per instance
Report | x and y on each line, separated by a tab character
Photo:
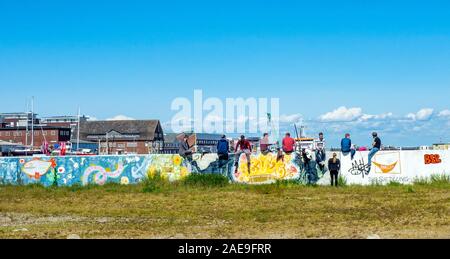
359	168
432	159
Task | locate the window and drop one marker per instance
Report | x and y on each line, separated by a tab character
53	133
121	145
7	134
132	144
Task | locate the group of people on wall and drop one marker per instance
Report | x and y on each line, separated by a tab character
288	146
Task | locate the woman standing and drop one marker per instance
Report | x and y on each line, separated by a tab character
334	165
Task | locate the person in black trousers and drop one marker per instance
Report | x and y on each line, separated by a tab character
334	165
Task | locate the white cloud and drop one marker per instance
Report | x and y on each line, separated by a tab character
422	115
120	118
444	113
366	117
292	118
342	114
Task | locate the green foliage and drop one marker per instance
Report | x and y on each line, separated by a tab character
394	184
342	181
154	183
205	180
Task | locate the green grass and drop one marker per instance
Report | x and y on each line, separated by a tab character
208	206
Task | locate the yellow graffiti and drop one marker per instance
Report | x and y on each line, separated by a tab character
266	168
168	167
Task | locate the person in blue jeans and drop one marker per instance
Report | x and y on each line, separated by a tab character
346	146
376	146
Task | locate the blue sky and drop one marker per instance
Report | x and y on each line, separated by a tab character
386	62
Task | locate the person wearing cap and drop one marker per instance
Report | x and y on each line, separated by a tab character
346	146
376	146
243	147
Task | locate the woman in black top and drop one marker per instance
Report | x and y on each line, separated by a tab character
334	165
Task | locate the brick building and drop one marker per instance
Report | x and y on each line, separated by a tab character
22	135
17	119
124	137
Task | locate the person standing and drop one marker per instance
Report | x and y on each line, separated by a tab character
334	165
346	146
306	157
376	146
243	147
288	144
223	148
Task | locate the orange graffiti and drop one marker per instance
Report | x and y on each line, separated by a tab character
386	168
432	159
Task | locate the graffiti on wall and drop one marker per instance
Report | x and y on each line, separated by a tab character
100	170
273	167
387	163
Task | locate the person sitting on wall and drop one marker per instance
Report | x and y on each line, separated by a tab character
320	153
264	146
346	146
185	149
288	144
334	165
376	146
243	147
223	148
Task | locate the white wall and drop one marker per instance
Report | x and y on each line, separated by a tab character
399	166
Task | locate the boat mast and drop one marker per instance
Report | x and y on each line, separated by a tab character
32	122
26	130
78	129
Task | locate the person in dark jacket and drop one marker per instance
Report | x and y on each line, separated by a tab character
223	148
334	166
346	146
376	147
185	149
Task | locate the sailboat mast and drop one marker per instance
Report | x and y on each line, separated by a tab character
32	122
78	128
26	130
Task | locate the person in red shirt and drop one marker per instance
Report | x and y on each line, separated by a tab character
288	144
243	147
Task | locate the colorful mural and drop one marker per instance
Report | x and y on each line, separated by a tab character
267	168
99	170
